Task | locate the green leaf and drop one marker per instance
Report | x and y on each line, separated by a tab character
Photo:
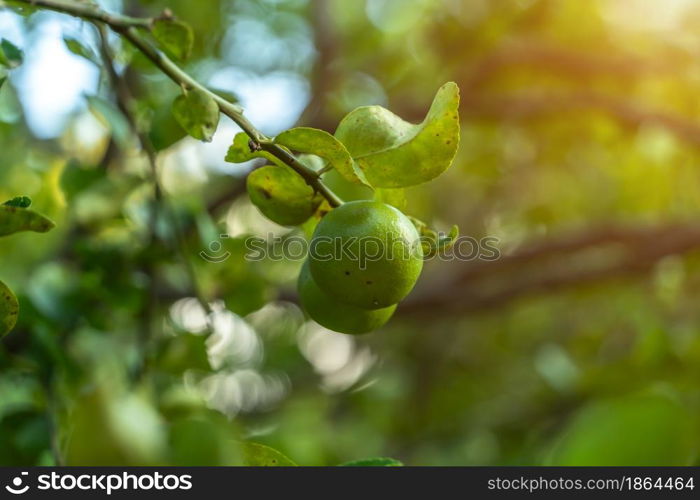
19	201
432	241
446	242
240	152
259	455
9	309
394	197
321	143
282	195
77	48
16	219
373	462
315	163
163	131
175	37
197	113
21	9
10	55
2	81
394	153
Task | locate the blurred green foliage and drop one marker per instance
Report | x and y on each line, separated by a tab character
579	152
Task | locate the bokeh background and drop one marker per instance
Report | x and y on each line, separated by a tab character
580	152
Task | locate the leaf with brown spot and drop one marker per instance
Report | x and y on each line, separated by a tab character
259	455
320	143
14	219
240	152
9	309
393	153
175	37
282	195
197	113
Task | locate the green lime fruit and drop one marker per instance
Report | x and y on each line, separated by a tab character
335	315
366	253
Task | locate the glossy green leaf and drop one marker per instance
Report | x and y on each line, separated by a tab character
79	49
197	113
163	131
240	151
2	81
374	462
432	241
9	309
175	37
19	201
16	219
259	455
314	162
439	242
394	197
282	195
445	242
394	153
321	143
10	55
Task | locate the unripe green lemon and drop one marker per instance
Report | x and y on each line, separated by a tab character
334	315
366	253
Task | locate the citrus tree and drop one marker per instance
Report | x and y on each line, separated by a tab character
230	234
347	292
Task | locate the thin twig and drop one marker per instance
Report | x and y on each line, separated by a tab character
128	28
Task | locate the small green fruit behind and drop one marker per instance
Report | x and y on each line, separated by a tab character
366	253
335	315
282	195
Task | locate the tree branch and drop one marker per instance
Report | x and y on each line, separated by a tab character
89	12
127	27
